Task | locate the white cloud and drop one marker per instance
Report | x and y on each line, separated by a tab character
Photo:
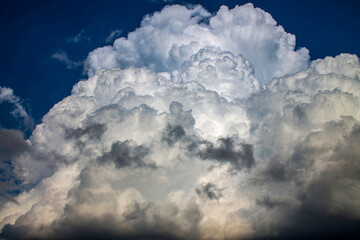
162	44
230	76
302	144
187	141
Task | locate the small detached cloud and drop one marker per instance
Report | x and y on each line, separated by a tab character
7	95
62	57
78	38
113	35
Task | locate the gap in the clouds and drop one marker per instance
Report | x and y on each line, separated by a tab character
7	120
10	185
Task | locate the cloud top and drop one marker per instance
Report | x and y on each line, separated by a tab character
182	131
168	38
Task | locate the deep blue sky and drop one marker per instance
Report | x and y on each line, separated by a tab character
32	31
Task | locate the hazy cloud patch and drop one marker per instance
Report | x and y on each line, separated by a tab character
113	35
81	36
62	57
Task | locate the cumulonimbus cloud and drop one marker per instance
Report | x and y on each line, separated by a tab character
182	131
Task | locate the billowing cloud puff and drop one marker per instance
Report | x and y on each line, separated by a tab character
168	38
232	77
114	140
180	137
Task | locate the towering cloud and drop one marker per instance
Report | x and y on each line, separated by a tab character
168	38
182	131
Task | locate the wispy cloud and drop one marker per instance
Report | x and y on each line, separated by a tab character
62	57
113	35
7	95
79	37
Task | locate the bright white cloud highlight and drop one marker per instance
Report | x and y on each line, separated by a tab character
168	38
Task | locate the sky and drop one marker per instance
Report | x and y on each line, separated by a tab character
179	119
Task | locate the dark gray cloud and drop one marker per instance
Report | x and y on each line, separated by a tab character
327	199
173	134
142	220
269	203
93	131
126	154
82	228
209	191
193	215
335	191
12	144
277	170
239	154
303	224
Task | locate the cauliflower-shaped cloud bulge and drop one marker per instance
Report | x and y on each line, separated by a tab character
181	132
232	77
168	38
